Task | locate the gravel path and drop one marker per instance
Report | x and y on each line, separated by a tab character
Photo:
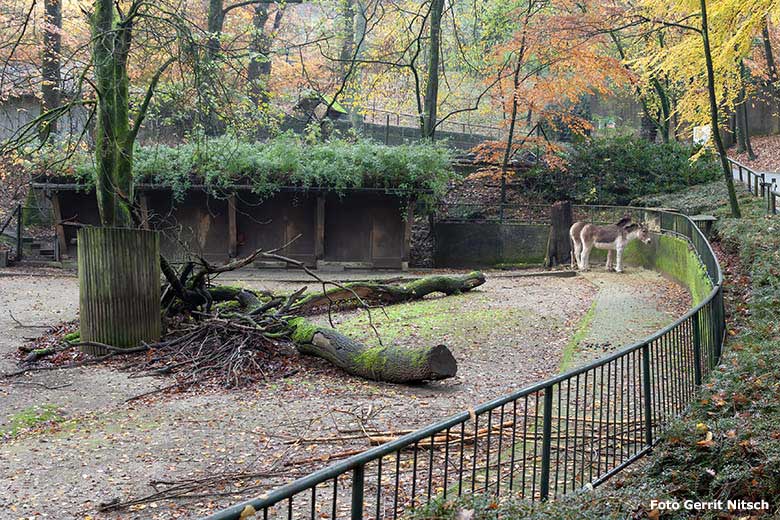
509	333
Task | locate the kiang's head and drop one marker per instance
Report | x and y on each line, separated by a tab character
640	231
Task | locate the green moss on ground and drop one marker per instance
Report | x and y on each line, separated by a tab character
72	337
30	417
429	320
570	350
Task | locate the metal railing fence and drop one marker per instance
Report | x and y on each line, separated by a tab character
537	443
756	184
380	116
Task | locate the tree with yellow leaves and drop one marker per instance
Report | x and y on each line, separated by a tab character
704	47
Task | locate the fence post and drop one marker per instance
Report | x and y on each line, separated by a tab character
387	130
648	391
721	323
740	174
696	349
763	184
544	485
755	185
358	480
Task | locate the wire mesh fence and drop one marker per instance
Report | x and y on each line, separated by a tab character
26	234
537	443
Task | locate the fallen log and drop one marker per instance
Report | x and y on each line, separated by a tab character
378	293
380	363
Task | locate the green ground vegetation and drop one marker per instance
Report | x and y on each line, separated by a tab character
428	320
30	417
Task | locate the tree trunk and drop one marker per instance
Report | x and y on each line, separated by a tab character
348	37
113	139
390	294
559	248
51	70
380	363
215	19
119	293
259	70
774	77
728	175
743	109
512	121
432	86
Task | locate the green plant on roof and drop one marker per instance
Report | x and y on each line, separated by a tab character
420	170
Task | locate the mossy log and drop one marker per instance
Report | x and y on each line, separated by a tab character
380	363
389	294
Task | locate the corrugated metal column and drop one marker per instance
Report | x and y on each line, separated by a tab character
119	287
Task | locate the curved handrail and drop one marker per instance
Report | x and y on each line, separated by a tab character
698	332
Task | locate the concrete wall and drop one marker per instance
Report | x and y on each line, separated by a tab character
477	244
485	244
17	112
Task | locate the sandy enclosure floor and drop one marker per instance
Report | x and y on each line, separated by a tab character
511	332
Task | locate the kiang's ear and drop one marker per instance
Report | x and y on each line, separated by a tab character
623	222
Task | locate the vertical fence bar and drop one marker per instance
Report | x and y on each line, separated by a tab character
358	483
544	484
648	394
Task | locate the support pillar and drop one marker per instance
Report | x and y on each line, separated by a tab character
407	245
319	230
232	227
58	227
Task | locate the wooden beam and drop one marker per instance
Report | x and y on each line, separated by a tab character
143	202
319	230
58	227
407	246
232	227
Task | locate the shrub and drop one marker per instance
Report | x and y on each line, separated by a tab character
617	170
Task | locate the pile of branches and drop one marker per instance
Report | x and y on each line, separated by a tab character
215	351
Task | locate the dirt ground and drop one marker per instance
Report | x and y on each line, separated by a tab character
71	442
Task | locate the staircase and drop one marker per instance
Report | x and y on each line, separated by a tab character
39	249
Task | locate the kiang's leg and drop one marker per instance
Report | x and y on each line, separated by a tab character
584	264
609	259
619	267
575	253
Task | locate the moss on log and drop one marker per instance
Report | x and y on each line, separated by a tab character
389	294
380	363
